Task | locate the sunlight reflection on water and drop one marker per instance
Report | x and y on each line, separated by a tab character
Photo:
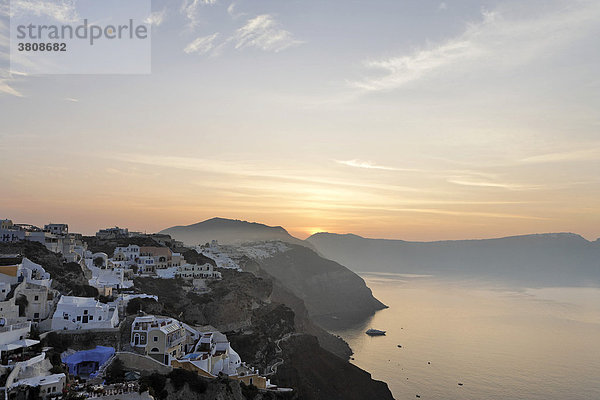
500	342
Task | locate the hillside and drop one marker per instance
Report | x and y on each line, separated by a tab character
542	259
229	231
326	287
242	306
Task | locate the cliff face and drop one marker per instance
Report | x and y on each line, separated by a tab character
305	324
302	319
242	306
320	376
326	287
229	306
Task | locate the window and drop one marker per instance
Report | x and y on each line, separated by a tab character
85	312
36	298
154	350
155	338
65	316
100	318
79	318
91	317
36	315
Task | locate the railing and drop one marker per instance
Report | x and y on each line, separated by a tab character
20	325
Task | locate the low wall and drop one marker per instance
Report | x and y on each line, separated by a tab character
144	364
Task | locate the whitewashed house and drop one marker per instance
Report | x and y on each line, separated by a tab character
4	290
84	313
40	300
24	270
213	355
113	278
195	271
48	384
129	253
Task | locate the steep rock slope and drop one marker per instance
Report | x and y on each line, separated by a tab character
319	376
326	287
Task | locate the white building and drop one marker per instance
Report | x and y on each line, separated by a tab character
57	229
129	253
9	313
112	277
84	313
161	338
4	290
13	338
112	233
24	270
195	271
48	384
39	304
213	356
11	234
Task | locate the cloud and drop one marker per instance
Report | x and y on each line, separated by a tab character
366	164
443	6
156	18
189	8
262	32
265	33
489	184
589	154
6	89
60	10
502	39
201	45
232	13
72	99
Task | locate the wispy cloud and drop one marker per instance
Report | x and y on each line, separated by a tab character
232	13
71	99
503	38
7	89
265	33
60	10
202	45
366	164
491	184
262	32
589	154
189	8
156	18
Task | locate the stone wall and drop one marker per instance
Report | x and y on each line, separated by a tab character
144	364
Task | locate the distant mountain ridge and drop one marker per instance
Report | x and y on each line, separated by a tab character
545	259
230	231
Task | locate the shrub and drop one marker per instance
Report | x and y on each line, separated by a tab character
179	377
115	372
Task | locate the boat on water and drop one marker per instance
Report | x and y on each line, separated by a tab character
375	332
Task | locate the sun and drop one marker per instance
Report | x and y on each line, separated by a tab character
312	231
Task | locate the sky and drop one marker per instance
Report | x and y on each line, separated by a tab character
416	120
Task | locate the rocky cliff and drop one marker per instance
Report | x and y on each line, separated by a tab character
320	376
326	287
242	306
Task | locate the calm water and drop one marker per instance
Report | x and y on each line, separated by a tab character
501	343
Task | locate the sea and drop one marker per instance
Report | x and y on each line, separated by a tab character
451	340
